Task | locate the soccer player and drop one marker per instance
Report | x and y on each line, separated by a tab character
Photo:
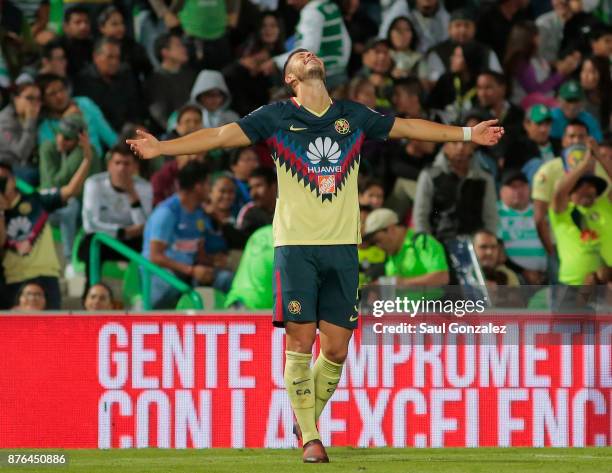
315	143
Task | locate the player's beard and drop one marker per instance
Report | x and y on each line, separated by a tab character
316	72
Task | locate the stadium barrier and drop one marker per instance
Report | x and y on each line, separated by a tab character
216	380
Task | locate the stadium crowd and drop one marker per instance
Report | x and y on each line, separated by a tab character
78	78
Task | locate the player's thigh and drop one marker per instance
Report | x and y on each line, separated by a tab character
338	296
295	285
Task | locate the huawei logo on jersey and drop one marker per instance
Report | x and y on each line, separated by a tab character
323	149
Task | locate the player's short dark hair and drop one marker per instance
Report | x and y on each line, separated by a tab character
188	108
265	173
163	42
499	78
45	80
75	10
293	53
47	49
576	122
6	165
192	174
102	41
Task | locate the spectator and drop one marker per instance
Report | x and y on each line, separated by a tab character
117	203
533	79
491	95
403	41
550	173
260	210
550	29
455	89
243	161
377	66
371	257
332	44
517	228
210	92
581	218
205	25
572	107
601	41
534	147
430	20
488	251
25	235
371	193
413	259
30	298
461	30
165	182
221	235
360	27
496	21
111	85
59	161
111	25
252	285
99	297
167	88
54	59
77	40
596	82
361	90
188	120
455	196
57	103
174	236
18	130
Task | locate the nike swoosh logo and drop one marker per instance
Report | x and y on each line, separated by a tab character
292	128
301	381
333	384
353	318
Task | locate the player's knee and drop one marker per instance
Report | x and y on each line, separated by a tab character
336	354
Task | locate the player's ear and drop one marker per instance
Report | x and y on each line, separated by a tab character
290	78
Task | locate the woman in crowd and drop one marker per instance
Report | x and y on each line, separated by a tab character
30	298
597	84
18	122
533	79
98	297
403	41
111	25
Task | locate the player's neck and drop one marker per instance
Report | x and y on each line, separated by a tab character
313	95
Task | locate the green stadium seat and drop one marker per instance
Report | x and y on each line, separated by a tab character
132	292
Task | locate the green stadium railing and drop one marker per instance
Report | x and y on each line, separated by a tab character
148	269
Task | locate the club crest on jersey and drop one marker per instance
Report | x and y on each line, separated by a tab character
342	126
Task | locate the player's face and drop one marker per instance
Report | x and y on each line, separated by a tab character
306	65
114	26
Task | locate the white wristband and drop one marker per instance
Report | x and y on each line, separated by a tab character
467	133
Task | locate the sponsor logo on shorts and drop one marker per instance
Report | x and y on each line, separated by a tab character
294	307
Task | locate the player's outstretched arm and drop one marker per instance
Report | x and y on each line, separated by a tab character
485	133
147	146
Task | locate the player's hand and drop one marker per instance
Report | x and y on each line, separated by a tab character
486	133
146	146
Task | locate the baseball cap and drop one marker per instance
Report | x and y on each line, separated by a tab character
373	42
511	175
571	91
539	113
378	220
463	14
71	126
596	181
